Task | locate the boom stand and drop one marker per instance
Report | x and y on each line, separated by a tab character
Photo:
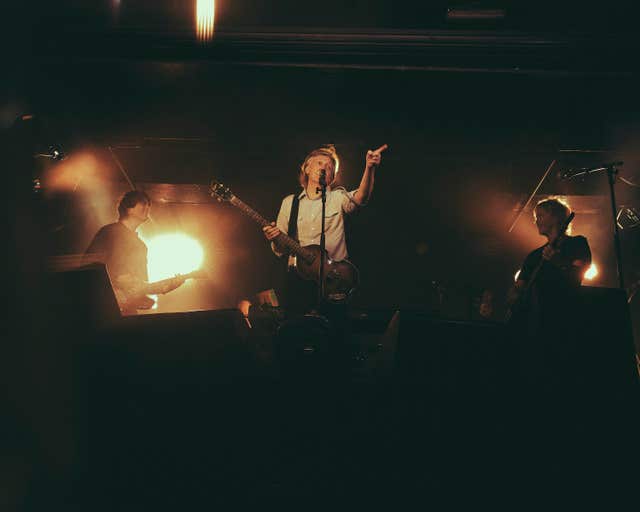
612	170
611	175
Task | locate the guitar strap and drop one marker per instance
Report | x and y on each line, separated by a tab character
293	218
292	231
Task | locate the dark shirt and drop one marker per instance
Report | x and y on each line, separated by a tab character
121	250
559	272
553	294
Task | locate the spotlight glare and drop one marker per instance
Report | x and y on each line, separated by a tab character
205	18
591	273
172	254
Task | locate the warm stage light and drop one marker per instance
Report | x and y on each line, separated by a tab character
172	254
205	17
591	273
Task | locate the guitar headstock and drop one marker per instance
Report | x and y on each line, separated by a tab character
201	273
565	224
220	191
568	221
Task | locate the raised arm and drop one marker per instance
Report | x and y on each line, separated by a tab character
372	161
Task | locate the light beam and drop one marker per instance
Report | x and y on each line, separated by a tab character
205	19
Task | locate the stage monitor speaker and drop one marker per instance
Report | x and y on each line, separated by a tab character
215	338
454	379
374	340
606	349
427	343
84	295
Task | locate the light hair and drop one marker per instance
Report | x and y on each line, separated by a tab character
327	150
557	208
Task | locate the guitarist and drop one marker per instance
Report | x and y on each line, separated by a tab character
305	225
546	321
118	246
562	263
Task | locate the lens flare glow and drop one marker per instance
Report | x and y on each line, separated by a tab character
591	273
172	254
205	18
79	170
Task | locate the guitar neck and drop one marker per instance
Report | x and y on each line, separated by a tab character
158	286
554	245
284	240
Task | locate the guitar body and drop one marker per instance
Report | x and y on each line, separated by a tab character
340	277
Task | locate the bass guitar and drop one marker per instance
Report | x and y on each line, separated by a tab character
340	277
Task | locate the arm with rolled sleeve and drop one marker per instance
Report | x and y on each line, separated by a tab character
348	202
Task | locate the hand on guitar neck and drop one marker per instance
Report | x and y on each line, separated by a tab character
272	233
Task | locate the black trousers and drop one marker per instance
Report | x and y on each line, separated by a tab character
298	295
325	331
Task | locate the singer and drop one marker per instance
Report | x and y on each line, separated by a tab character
300	217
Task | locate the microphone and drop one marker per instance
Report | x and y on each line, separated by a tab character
323	177
54	152
584	171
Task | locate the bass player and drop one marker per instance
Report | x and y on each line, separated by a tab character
300	217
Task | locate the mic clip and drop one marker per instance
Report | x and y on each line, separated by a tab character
54	153
585	171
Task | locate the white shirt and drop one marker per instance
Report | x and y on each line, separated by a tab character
339	202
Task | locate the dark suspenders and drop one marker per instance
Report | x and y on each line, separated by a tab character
293	218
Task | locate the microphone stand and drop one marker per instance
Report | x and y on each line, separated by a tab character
612	171
323	189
